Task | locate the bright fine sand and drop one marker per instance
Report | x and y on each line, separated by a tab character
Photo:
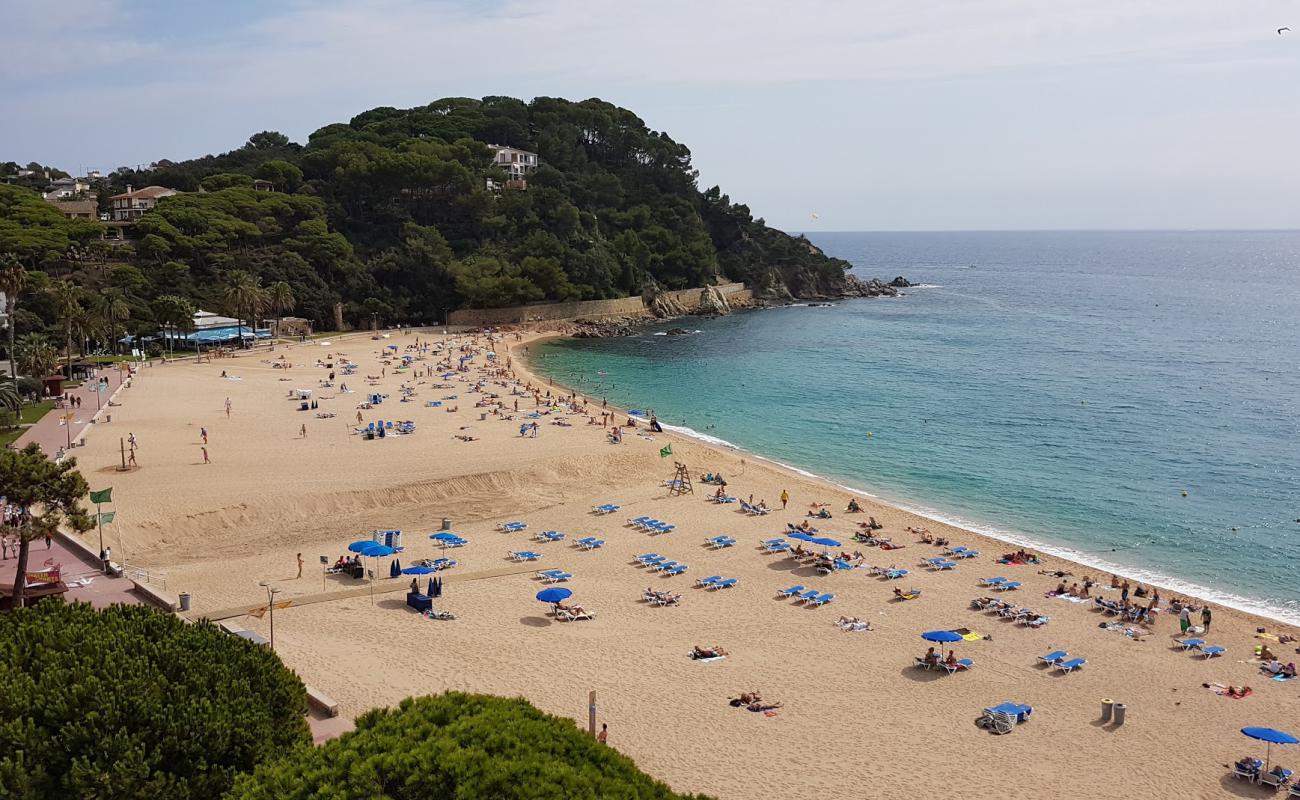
858	719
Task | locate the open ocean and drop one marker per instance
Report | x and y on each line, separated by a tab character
1061	389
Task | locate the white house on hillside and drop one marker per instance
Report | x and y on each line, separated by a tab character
516	163
131	205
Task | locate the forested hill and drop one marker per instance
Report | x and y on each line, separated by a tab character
400	213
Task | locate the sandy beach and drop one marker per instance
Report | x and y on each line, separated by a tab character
858	718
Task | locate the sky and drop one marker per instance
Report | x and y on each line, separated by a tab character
818	114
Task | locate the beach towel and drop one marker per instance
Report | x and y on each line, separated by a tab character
708	660
972	636
1283	677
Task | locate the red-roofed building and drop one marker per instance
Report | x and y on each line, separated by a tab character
131	205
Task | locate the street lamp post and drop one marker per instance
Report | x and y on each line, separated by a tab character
271	592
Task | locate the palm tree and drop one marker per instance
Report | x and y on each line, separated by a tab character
116	310
37	355
244	292
12	280
87	324
280	299
67	303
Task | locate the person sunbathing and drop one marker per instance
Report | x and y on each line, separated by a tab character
942	541
931	657
707	652
1265	654
804	526
758	706
1244	691
926	538
1272	667
1247	764
750	697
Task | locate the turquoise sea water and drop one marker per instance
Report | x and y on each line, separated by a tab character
1063	389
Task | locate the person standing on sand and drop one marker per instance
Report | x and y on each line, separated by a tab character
302	432
206	460
204	433
603	736
785	498
1184	619
1206	615
130	459
300	565
227	408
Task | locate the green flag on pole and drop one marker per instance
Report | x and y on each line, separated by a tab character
664	452
107	517
102	496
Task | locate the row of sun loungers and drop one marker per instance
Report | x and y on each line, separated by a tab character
960	552
958	666
1199	645
438	563
650	525
756	511
1061	660
1024	616
717	542
548	536
661	598
1254	772
717	582
889	572
806	596
523	555
661	564
774	546
1133	613
939	564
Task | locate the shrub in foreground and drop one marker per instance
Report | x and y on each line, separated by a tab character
455	746
131	702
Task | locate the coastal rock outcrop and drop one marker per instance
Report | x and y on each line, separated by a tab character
713	301
900	283
602	329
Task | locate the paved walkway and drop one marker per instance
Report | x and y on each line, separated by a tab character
51	433
103	591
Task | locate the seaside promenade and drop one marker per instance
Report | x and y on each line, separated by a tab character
53	432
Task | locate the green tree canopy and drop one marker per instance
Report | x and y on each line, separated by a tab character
455	746
132	703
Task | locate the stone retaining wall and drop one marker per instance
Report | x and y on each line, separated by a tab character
588	309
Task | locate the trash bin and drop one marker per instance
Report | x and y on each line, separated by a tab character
446	524
1107	706
1120	708
482	417
185	601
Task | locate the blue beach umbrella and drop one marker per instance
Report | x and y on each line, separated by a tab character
418	569
825	542
803	537
362	545
554	594
1272	737
941	636
443	536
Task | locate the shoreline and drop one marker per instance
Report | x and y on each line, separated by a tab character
1167	583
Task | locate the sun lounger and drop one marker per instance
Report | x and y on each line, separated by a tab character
783	547
1212	651
662	527
677	570
591	544
895	573
1035	622
1272	779
791	592
564	615
1008	586
967	554
651	560
557	577
547	572
708	581
805	596
635	522
992	581
1188	644
960	666
821	600
724	584
944	565
1053	657
1295	790
1249	773
770	542
607	508
663	565
646	556
524	555
1018	711
1071	665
